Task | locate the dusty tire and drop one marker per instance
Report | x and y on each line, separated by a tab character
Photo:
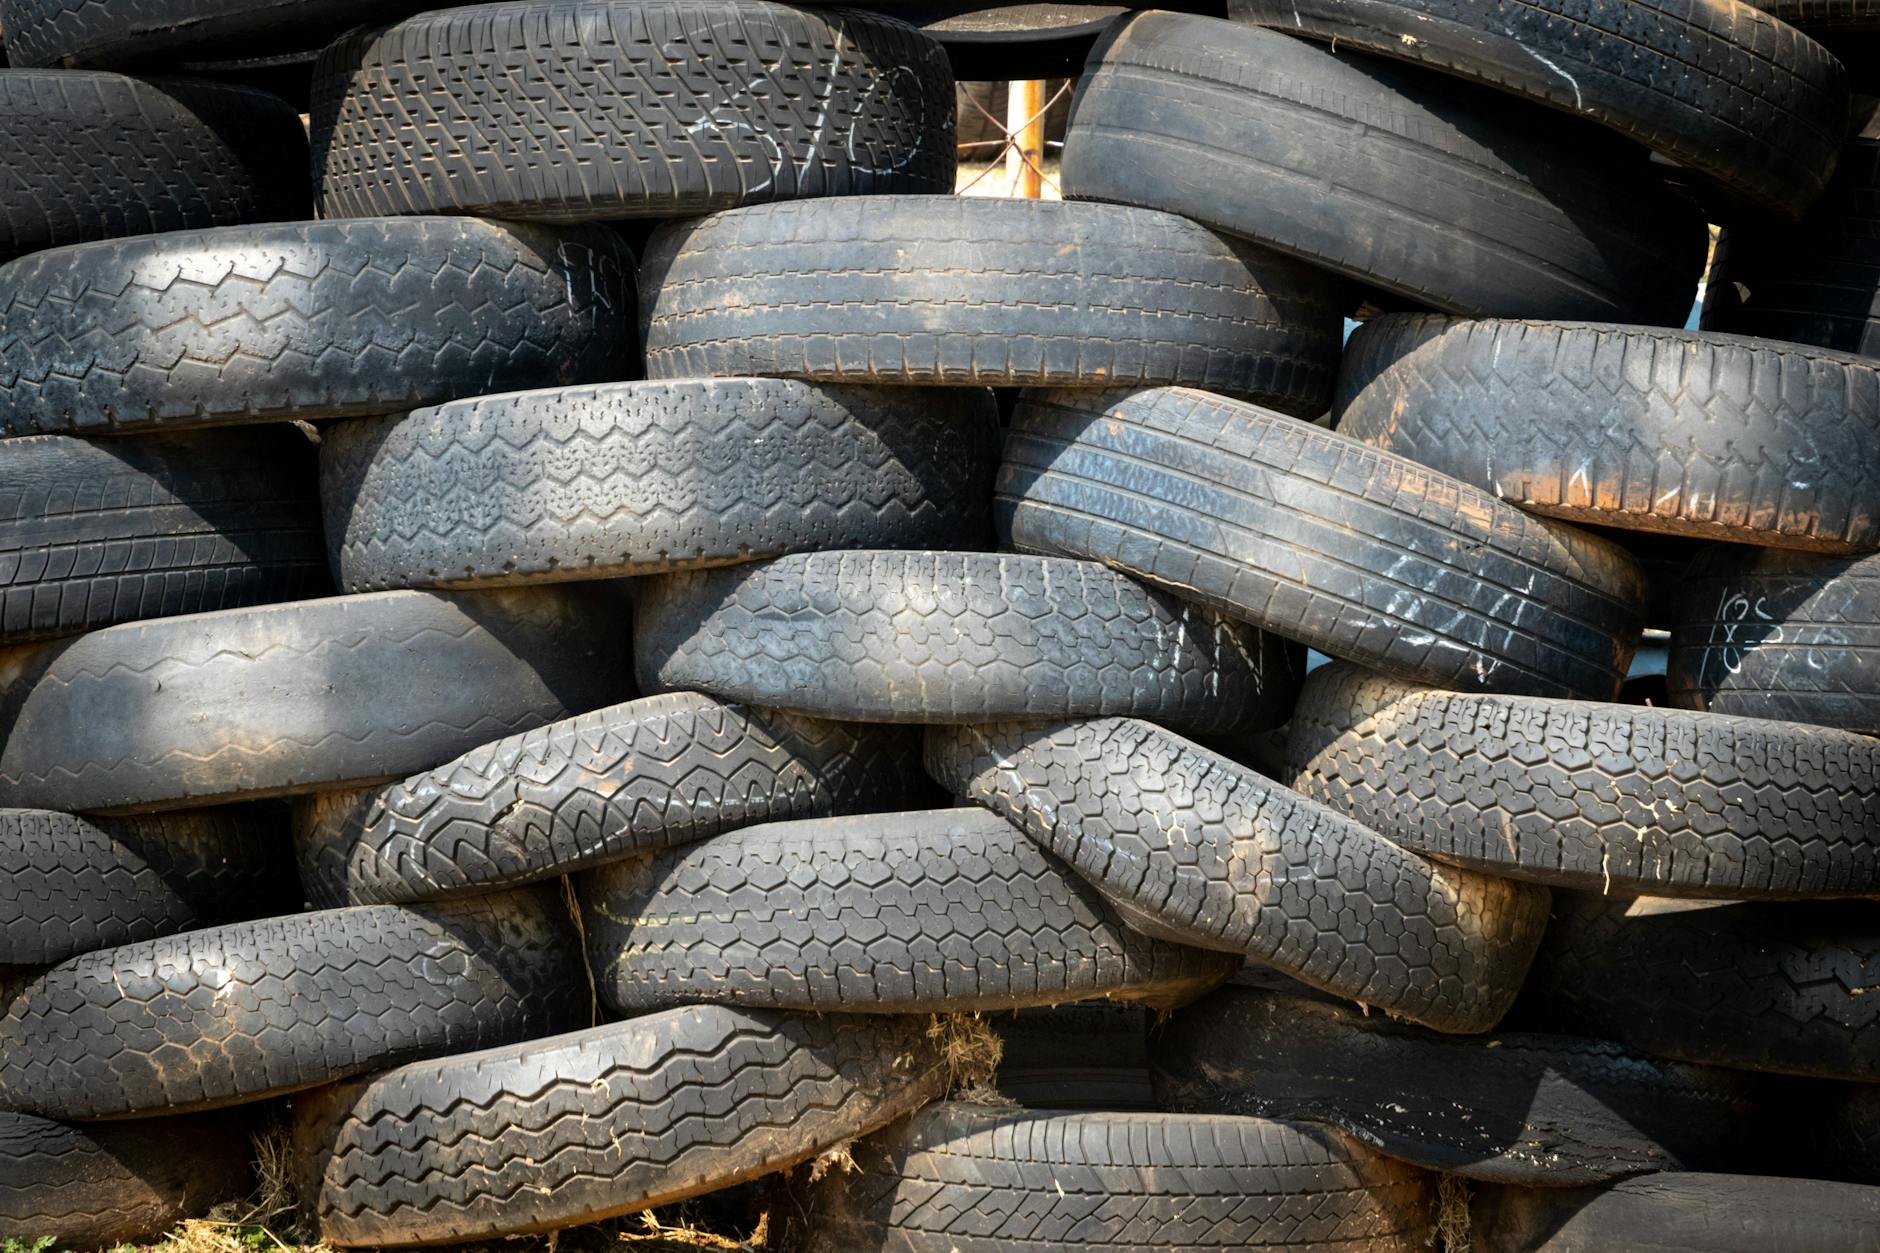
641	478
1194	849
1681	432
297	697
941	911
306	320
991	293
757	102
1358	553
955	637
155	32
618	782
601	1122
1716	1213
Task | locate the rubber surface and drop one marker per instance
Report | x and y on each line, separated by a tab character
297	697
654	109
1716	1213
252	1010
102	533
1358	553
621	781
955	637
1682	432
1849	1148
638	478
601	1122
1442	191
1191	848
1829	14
1089	1055
306	320
157	32
988	292
941	911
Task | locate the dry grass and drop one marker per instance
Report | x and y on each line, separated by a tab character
1452	1214
971	1048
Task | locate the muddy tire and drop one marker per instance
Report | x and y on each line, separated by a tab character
1717	1213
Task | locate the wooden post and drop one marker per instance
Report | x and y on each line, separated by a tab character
1024	120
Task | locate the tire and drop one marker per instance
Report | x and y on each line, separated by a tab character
299	697
938	911
619	782
995	293
1757	986
1358	553
1539	1110
1193	849
88	156
1820	14
1746	102
1000	43
1678	432
642	478
955	637
306	320
1715	1213
100	534
1087	1055
959	1178
1445	192
100	1187
422	117
1779	635
1596	797
73	885
1849	1144
601	1122
252	1010
79	33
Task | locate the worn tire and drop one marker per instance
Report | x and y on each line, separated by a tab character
1191	848
429	116
297	697
1359	553
955	637
988	292
1820	14
1089	1055
306	320
641	478
1682	432
619	782
253	1010
1715	1213
942	911
82	33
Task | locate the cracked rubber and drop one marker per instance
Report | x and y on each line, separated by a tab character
251	1010
988	292
597	110
1598	797
1714	1213
641	478
960	1178
956	637
1681	432
629	779
943	911
306	320
158	32
1194	849
601	1122
1359	553
298	697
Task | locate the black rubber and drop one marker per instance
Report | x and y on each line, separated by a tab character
1683	432
111	33
639	478
1661	1213
298	697
101	533
1779	635
1849	1145
1358	553
251	1010
595	110
955	637
97	156
960	1178
629	779
1598	797
601	1122
1824	14
988	292
72	885
306	320
934	911
1194	849
1515	1107
1089	1055
1776	987
1442	191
